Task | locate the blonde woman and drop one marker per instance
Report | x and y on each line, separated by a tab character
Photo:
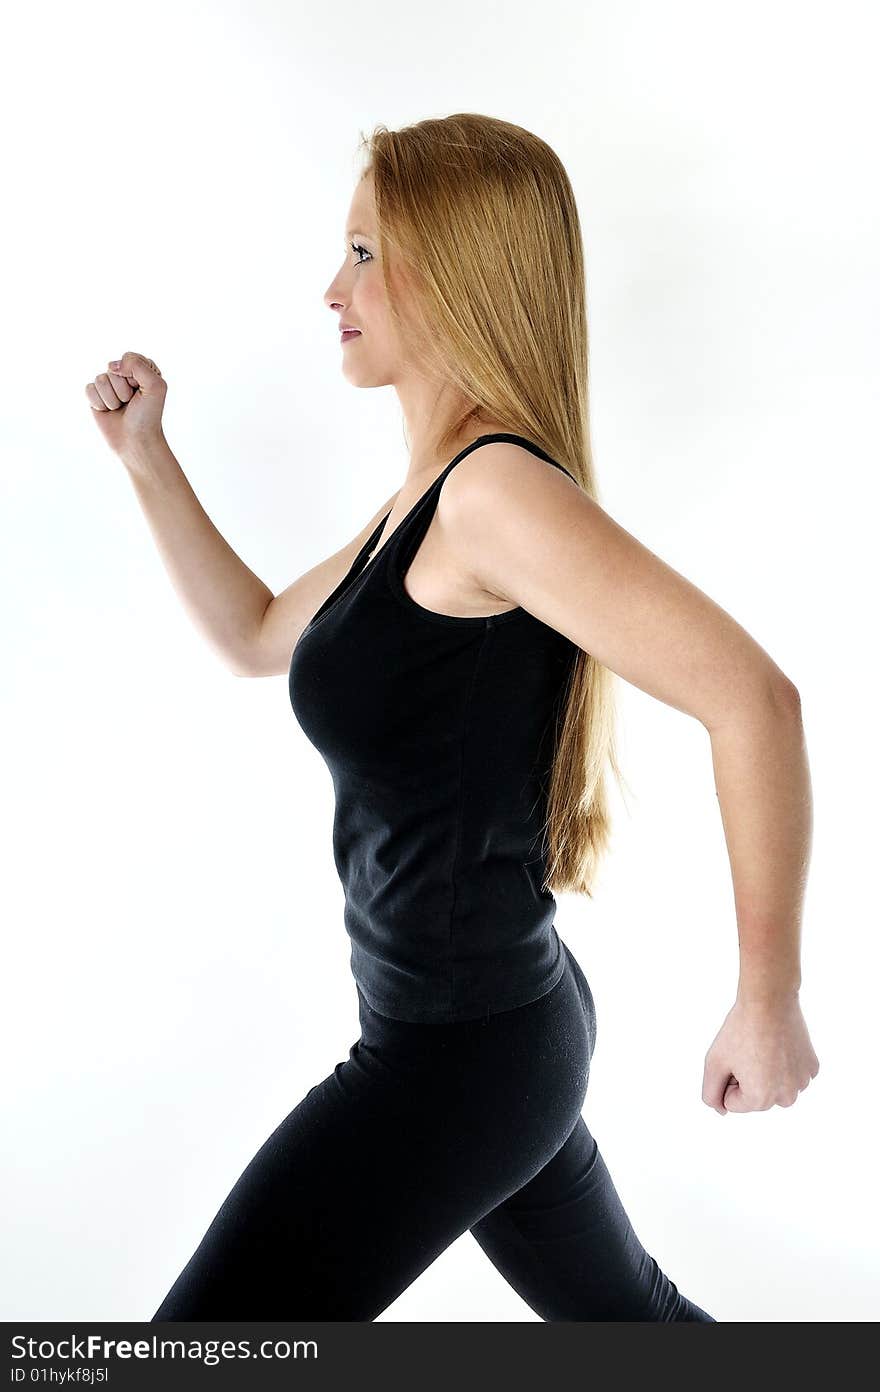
454	665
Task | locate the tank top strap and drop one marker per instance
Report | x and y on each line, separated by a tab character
526	444
408	534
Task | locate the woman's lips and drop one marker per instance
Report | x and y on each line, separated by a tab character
350	333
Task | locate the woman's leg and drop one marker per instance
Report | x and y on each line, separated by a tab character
566	1245
564	1241
424	1132
407	1144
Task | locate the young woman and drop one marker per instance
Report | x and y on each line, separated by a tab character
453	665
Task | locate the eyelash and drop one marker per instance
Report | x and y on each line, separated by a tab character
356	248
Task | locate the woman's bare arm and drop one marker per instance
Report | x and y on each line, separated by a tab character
526	532
251	630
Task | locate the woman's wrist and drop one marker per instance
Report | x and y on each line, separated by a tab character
767	993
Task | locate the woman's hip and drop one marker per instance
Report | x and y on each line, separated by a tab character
530	1064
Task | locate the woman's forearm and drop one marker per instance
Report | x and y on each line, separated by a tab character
762	779
223	597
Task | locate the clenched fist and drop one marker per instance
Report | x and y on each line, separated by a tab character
127	402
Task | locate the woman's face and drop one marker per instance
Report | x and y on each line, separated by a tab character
370	358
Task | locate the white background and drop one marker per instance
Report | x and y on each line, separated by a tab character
175	966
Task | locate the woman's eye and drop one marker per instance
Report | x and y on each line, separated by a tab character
356	248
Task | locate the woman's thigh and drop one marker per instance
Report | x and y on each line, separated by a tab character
407	1144
566	1245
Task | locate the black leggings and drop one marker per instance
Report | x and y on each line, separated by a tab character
424	1132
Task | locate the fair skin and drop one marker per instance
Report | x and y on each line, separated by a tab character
511	530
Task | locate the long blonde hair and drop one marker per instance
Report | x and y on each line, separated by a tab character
476	219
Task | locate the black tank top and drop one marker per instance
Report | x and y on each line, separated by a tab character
439	735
